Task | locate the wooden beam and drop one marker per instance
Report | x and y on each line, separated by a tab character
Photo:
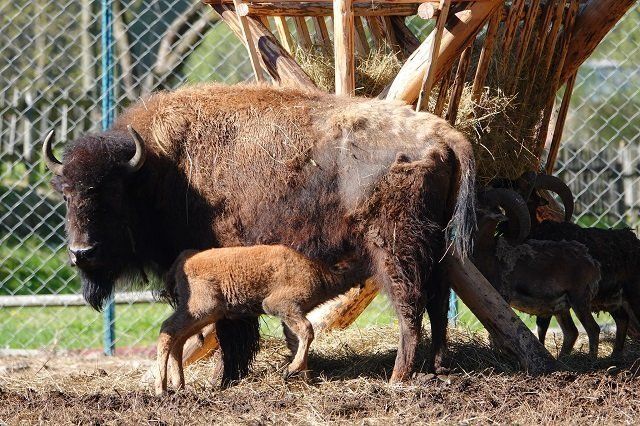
340	312
321	32
285	35
343	43
406	39
458	85
393	2
559	127
485	56
251	48
325	9
302	32
523	45
275	59
200	346
362	45
461	26
593	22
429	77
497	317
443	93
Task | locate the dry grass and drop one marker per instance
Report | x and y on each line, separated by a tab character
372	72
350	386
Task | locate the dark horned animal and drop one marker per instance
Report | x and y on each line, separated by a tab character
243	165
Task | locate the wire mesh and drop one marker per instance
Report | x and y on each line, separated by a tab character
49	78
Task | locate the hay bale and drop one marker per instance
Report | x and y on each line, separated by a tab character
372	72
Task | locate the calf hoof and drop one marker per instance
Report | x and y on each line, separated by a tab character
297	374
161	392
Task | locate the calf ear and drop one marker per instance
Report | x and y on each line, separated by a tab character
401	157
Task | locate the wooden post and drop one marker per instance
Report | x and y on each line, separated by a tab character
343	34
275	59
376	31
459	31
321	32
445	82
593	22
497	317
428	80
285	35
304	38
562	117
458	85
339	313
406	39
485	56
248	40
362	46
523	46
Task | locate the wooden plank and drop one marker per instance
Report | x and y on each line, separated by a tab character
406	39
285	35
459	31
595	21
72	299
343	46
458	85
322	33
302	32
275	59
497	317
391	2
339	313
552	38
362	45
248	41
559	127
299	9
485	56
200	346
375	25
511	24
390	33
568	23
523	46
429	77
443	93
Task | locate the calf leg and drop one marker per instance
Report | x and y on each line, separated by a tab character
290	338
542	324
294	319
569	332
621	318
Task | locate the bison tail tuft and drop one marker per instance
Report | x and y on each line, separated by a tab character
463	220
239	343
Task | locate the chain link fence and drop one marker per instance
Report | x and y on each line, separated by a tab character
50	69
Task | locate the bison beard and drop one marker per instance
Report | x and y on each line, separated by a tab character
244	165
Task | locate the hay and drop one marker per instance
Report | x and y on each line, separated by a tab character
350	369
372	72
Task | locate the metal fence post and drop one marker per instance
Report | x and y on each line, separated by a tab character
108	113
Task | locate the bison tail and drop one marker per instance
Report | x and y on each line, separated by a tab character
463	219
239	343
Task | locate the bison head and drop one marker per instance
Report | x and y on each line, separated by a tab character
93	179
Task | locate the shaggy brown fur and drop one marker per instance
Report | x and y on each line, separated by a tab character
541	278
245	165
245	281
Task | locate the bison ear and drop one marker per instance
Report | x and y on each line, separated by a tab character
137	161
401	157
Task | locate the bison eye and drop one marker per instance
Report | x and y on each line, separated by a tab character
64	197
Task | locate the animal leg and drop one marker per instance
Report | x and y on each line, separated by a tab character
176	368
164	346
590	325
438	308
621	318
542	324
569	332
299	325
290	338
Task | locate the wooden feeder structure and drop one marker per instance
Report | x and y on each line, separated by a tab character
542	40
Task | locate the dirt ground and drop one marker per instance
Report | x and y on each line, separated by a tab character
349	386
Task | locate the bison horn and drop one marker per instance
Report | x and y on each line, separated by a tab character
555	184
47	153
136	162
519	222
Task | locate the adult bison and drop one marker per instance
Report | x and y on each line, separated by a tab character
335	178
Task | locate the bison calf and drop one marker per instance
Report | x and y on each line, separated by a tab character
240	282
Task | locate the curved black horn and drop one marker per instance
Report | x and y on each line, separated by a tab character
136	162
515	208
556	185
47	154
